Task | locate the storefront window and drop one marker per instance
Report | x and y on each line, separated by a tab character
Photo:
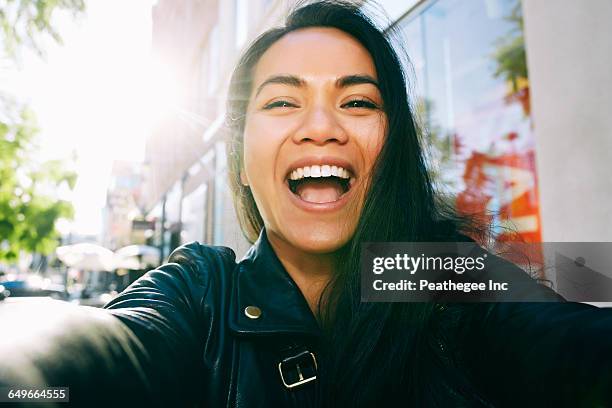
472	95
193	214
221	194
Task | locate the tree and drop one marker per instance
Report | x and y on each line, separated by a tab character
510	56
29	207
27	22
438	146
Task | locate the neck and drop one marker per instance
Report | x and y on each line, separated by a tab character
310	272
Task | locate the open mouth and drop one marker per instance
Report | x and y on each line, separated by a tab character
320	184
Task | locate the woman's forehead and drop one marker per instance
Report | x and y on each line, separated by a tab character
315	52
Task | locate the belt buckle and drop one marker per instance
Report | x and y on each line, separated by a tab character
301	379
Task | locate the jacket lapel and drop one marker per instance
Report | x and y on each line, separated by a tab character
260	280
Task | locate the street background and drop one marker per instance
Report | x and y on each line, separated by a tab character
111	125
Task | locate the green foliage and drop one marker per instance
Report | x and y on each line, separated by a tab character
509	54
438	145
28	211
27	22
29	205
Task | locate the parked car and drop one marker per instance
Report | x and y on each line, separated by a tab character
23	288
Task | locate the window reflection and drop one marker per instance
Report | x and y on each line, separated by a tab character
472	94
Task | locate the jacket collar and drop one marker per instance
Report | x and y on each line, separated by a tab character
261	280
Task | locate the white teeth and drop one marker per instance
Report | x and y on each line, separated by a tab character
317	171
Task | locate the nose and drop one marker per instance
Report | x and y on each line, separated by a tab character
320	127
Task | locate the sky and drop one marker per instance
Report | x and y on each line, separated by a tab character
91	97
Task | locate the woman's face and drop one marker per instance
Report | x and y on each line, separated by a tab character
313	130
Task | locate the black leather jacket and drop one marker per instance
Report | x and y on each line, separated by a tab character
227	334
219	333
207	331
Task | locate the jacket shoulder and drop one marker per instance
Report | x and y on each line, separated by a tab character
189	271
202	260
197	252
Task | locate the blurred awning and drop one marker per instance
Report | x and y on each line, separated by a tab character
87	256
137	257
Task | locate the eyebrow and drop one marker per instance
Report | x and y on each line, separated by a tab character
351	80
292	80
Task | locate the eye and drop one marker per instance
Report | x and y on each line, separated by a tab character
360	103
279	104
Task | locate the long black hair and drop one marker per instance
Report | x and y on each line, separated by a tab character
373	352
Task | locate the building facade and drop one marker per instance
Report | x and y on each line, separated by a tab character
491	84
121	209
185	187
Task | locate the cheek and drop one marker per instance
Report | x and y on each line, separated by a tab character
369	134
263	138
261	147
258	149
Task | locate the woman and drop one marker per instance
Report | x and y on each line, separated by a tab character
323	156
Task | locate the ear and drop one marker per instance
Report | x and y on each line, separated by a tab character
243	179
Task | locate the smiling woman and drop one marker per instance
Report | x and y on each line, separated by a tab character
324	155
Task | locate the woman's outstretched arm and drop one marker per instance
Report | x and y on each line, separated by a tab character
541	354
143	347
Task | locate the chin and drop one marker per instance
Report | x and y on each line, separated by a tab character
319	240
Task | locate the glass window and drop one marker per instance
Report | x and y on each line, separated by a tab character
472	92
213	60
173	203
194	215
242	10
203	77
221	194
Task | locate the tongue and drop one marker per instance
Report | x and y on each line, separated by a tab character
319	191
